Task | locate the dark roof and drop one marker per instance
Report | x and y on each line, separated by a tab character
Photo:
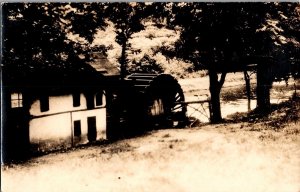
54	79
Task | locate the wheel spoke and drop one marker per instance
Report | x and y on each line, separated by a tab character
178	107
178	97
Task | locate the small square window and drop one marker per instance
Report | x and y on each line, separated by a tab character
16	100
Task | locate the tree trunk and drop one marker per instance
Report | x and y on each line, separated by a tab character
248	89
264	84
6	132
123	60
215	89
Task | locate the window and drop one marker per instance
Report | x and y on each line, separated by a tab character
76	99
44	101
16	100
99	98
77	128
90	101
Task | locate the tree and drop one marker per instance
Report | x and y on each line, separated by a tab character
225	37
127	19
274	41
36	39
208	39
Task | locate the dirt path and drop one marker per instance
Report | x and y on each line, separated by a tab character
223	158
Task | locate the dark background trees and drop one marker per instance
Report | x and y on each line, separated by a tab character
219	37
225	37
36	39
127	19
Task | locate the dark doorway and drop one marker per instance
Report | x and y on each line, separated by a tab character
77	128
92	131
18	134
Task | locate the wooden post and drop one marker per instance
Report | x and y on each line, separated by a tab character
264	84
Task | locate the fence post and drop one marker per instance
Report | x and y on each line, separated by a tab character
210	109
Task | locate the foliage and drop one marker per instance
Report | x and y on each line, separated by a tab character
37	41
145	65
127	19
223	37
280	33
225	33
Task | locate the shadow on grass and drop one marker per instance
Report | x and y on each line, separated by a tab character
109	146
278	115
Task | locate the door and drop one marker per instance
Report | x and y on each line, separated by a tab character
92	130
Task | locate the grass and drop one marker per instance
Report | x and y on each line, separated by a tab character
237	92
287	112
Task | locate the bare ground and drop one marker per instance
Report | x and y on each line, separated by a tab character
224	157
255	156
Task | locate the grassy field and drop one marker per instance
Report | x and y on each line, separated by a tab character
253	156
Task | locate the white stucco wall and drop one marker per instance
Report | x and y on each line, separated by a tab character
57	130
58	104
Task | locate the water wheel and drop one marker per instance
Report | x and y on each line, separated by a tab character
142	102
163	99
